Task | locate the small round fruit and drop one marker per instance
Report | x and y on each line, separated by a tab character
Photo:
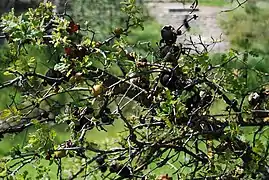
48	155
98	44
169	80
103	168
254	98
100	160
124	171
77	78
89	110
142	120
164	177
68	51
114	167
73	27
59	154
56	89
118	31
197	69
105	119
98	89
44	83
45	114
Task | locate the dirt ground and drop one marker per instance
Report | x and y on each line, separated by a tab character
206	28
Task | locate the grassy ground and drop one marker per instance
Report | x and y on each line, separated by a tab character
213	2
94	136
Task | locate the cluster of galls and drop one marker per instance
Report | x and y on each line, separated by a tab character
169	51
170	80
123	171
102	166
83	120
241	149
43	114
141	81
174	79
104	115
59	153
56	78
76	51
177	81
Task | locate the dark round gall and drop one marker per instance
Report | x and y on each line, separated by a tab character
103	168
169	80
89	110
254	98
124	171
197	69
142	120
100	160
168	34
45	114
114	167
44	83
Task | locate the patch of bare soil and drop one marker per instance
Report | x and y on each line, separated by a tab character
206	28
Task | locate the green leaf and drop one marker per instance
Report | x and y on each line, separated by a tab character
4	114
167	121
35	122
259	147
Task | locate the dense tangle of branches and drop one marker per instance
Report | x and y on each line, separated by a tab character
172	95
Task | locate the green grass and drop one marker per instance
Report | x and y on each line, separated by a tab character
94	136
213	2
150	34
